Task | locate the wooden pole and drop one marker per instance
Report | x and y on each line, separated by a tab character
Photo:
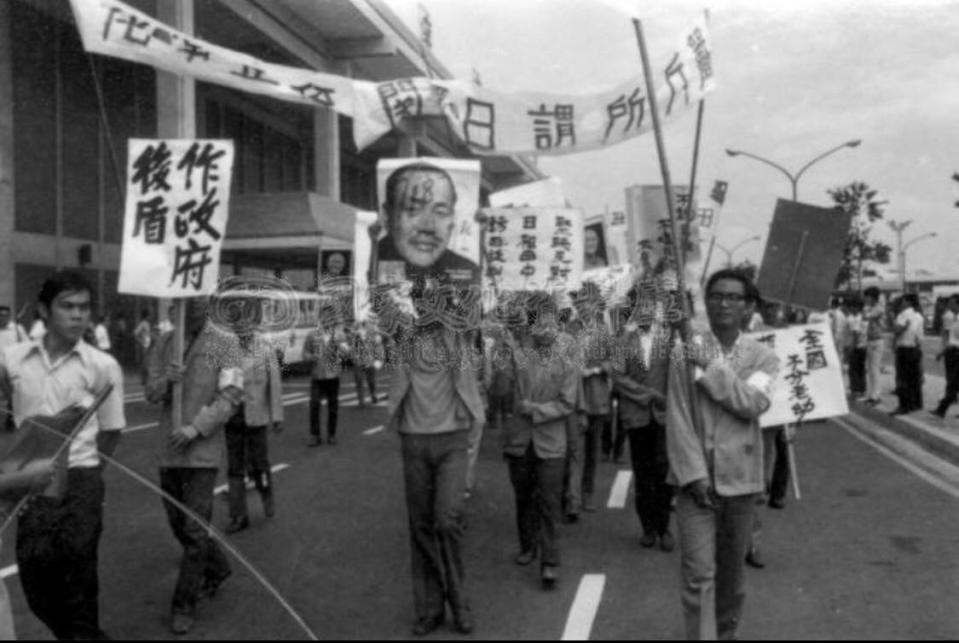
690	214
178	344
791	456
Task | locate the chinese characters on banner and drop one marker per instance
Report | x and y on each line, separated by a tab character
489	122
809	385
116	29
177	203
534	249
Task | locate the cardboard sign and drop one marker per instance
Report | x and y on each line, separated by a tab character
803	254
177	202
809	385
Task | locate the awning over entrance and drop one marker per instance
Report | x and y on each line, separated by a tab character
286	231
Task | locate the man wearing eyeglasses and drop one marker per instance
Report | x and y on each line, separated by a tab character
718	466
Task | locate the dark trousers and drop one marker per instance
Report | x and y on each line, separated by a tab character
246	452
779	481
952	379
857	371
202	558
909	378
329	389
613	439
367	374
538	488
434	468
57	542
647	451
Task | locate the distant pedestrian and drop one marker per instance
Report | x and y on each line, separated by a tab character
874	316
547	383
368	358
101	335
639	378
246	431
10	331
857	347
38	329
142	340
950	351
908	330
326	348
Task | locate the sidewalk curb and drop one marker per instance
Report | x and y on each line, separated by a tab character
930	439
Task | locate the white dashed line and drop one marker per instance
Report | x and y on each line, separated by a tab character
374	430
620	490
579	624
7	572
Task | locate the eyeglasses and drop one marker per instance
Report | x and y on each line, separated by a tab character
720	297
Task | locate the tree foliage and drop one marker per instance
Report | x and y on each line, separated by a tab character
859	199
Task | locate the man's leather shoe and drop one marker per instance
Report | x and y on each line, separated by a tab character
315	441
754	559
777	503
427	624
331	440
525	558
647	541
548	575
463	619
269	506
589	506
666	542
237	524
182	623
571	517
210	586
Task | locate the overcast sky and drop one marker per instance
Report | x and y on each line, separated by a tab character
793	80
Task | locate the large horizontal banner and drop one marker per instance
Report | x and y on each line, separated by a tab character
809	385
177	203
489	122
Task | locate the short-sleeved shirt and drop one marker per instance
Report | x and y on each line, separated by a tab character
912	335
35	386
950	326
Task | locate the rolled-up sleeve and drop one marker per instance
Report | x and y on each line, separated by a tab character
746	397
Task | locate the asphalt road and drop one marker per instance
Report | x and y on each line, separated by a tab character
869	552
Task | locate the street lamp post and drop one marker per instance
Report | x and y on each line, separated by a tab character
729	253
794	178
902	256
898	227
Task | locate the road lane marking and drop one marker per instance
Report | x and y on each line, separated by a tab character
374	430
579	624
620	490
898	459
249	485
7	572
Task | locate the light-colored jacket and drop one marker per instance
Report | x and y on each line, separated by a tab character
552	385
262	387
732	392
203	407
464	369
641	385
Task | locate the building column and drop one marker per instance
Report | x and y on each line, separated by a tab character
326	152
7	218
176	95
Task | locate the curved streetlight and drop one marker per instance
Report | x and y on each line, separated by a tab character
902	257
794	178
729	253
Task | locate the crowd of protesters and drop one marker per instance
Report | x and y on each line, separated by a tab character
560	387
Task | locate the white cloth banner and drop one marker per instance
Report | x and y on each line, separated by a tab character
177	203
534	249
809	385
489	122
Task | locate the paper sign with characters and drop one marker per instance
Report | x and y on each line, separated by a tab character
534	249
809	385
177	202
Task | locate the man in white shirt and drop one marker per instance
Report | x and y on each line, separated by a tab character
58	537
908	341
10	331
102	335
950	351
